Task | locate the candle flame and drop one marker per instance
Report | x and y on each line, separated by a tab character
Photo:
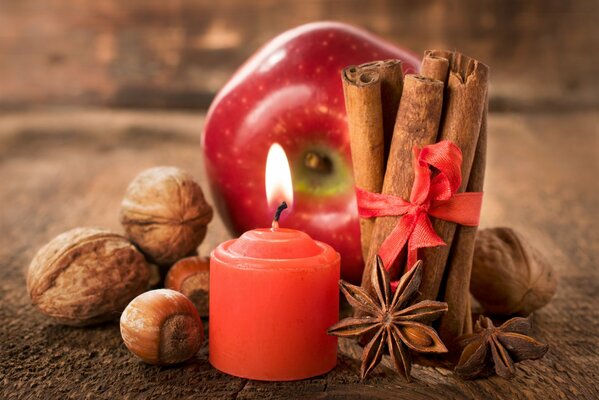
278	177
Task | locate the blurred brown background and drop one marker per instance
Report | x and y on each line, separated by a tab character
177	54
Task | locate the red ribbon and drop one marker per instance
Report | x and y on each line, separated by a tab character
437	178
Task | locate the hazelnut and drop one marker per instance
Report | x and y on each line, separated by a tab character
509	276
191	276
164	212
86	276
162	327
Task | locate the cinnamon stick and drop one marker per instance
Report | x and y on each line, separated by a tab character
467	326
391	76
464	106
458	320
417	124
435	67
362	92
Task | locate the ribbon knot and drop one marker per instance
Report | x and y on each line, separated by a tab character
418	208
437	178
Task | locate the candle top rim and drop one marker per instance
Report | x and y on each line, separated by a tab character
276	246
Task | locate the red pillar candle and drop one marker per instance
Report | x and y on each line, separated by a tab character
273	295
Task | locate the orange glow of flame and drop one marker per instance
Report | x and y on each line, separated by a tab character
279	186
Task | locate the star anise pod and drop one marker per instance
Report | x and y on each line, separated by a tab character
490	349
394	320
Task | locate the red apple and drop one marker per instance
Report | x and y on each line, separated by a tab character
290	92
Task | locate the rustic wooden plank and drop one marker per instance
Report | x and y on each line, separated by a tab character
178	54
67	168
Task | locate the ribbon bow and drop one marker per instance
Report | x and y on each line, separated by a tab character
437	178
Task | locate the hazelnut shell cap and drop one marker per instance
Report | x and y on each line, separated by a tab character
162	327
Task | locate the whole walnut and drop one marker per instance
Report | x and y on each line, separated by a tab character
509	276
164	212
86	275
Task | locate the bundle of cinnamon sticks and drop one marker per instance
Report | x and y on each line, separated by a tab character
389	114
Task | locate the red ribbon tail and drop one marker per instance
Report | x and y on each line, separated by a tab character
423	236
412	258
462	208
396	240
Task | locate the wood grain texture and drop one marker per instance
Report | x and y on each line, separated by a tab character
69	168
142	53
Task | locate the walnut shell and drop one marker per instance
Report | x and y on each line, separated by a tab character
164	212
509	276
85	276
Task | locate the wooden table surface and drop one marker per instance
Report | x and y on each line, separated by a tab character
66	168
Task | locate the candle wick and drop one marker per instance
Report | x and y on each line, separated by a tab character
275	220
